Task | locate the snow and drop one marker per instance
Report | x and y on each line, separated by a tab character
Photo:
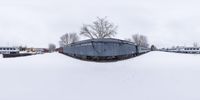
152	76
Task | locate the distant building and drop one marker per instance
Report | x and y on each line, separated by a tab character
190	50
9	50
194	50
37	50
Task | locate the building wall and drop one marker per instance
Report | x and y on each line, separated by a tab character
101	48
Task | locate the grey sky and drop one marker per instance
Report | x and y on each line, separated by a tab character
38	23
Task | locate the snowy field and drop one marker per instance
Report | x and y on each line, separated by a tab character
152	76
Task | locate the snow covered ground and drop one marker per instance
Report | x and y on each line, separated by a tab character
152	76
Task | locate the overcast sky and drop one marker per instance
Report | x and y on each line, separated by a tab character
36	23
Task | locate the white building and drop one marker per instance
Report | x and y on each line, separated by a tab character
186	50
9	50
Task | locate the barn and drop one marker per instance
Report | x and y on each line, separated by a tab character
101	49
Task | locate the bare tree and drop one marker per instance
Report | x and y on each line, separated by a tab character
140	40
68	38
52	47
101	28
153	48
